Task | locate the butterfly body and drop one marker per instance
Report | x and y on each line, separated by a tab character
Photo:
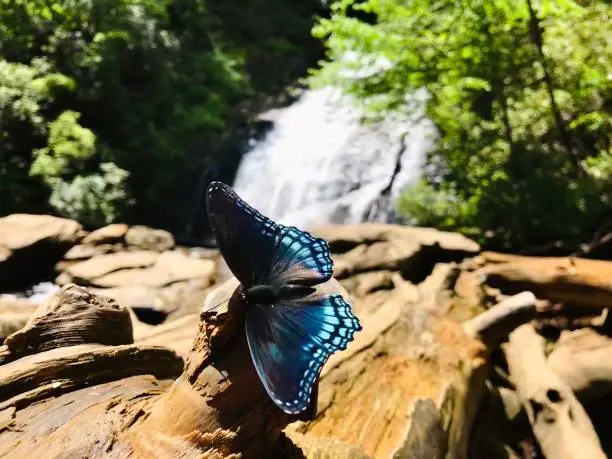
292	326
270	294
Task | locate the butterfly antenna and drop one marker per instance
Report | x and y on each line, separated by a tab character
216	306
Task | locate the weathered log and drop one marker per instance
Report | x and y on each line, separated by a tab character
560	424
95	399
583	359
495	324
72	316
409	386
573	281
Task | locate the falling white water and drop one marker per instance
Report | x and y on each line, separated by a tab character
320	164
37	294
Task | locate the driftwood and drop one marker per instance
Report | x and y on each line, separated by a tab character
75	384
495	324
575	282
414	387
118	401
560	424
423	379
583	359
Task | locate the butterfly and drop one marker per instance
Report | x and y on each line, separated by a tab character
292	327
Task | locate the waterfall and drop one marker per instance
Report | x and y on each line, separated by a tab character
321	164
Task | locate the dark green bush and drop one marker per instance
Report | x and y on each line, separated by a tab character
134	85
148	80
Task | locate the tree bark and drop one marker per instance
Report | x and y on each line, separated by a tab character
538	40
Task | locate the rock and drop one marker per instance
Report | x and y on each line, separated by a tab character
169	302
374	246
132	296
342	238
203	252
87	271
364	284
31	245
5	253
182	298
109	234
145	238
108	239
182	267
82	252
168	268
156	285
176	334
394	255
14	314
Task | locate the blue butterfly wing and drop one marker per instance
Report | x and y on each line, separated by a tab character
300	258
291	341
259	251
245	237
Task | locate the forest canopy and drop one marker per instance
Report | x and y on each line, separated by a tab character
107	107
521	93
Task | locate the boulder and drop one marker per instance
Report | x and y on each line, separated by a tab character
170	267
88	271
145	238
106	235
342	238
175	334
83	252
155	285
31	245
134	296
376	246
141	268
108	239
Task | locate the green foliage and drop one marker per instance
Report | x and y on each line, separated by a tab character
94	199
150	86
520	92
26	93
145	81
68	144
